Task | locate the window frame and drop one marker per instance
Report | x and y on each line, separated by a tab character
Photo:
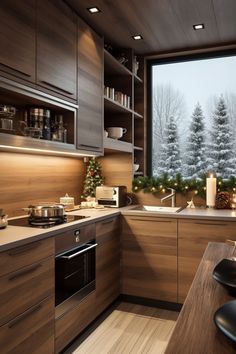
169	59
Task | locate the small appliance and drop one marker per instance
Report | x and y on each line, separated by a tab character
114	196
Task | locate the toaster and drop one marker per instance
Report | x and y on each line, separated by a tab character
114	197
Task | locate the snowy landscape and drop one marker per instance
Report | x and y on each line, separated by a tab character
193	139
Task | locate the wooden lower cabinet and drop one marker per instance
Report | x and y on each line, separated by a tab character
193	237
107	262
74	321
31	332
149	257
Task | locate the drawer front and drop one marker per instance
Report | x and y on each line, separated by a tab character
31	332
24	288
22	256
106	226
74	321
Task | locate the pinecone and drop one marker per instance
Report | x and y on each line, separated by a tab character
222	200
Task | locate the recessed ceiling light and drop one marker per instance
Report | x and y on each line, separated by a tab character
198	26
137	37
93	10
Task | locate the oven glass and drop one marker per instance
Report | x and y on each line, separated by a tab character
75	269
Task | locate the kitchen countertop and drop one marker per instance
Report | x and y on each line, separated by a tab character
14	236
187	213
195	331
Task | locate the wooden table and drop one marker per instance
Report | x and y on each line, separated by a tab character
195	331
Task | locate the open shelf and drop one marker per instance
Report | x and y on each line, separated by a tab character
114	144
113	67
137	115
113	106
138	148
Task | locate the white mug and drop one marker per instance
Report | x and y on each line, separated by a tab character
116	132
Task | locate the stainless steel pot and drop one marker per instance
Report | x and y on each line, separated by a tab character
45	210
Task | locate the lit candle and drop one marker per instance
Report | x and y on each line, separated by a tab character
68	202
210	191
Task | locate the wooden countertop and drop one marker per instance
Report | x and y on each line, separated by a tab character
195	331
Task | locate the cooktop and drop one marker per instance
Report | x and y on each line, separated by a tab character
44	222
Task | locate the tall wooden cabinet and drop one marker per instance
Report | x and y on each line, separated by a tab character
18	39
90	87
107	262
193	237
56	47
149	257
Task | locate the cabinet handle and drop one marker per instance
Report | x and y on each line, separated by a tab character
107	222
208	223
23	249
23	272
18	71
24	315
137	219
57	88
90	146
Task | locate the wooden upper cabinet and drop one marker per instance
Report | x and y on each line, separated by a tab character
57	47
90	88
17	38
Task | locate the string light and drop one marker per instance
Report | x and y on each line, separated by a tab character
163	190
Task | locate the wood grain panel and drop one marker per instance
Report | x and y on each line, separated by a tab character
31	332
17	28
90	84
193	237
166	26
195	331
73	322
107	263
117	169
25	255
56	47
28	179
149	257
25	288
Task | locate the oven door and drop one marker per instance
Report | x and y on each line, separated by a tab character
75	273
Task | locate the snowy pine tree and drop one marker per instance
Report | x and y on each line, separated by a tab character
170	161
195	165
221	158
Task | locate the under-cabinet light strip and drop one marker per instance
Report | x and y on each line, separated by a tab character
22	149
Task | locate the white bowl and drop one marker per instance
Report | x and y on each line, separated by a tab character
136	167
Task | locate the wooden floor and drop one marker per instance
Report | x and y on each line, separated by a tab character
129	329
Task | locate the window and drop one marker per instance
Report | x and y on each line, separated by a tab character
193	116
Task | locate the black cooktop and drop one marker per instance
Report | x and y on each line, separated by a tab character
44	223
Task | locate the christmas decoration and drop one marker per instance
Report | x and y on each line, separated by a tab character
222	200
93	179
191	204
195	185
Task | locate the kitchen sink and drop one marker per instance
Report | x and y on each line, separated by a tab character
158	209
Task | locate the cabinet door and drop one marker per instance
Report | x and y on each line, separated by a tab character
56	47
17	39
90	113
107	263
149	257
31	332
193	237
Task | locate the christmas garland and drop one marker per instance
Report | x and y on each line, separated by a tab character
156	185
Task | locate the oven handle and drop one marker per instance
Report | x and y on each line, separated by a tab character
80	252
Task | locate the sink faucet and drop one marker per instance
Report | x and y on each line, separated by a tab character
172	196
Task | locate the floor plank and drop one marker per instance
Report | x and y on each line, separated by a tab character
129	328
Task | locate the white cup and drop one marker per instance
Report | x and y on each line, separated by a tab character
116	132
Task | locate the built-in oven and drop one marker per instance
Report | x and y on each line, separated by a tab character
74	266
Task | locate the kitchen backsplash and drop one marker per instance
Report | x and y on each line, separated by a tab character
28	179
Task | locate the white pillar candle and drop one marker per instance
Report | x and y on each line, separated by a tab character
210	191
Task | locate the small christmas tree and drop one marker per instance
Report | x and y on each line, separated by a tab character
93	179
